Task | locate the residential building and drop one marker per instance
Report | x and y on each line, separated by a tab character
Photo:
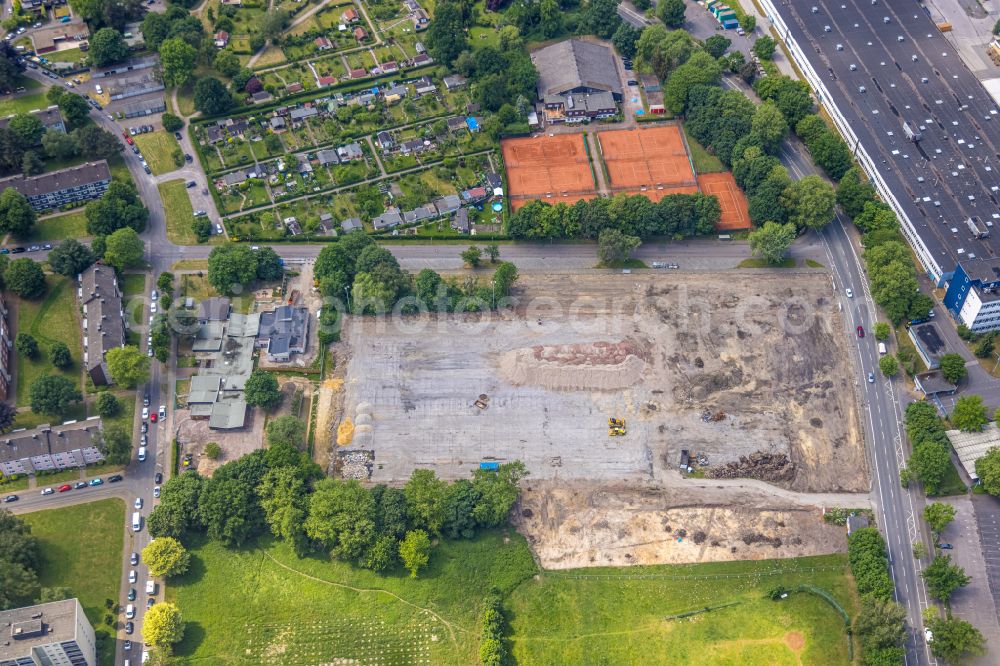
294	87
57	188
283	332
327	157
47	39
277	123
221	39
216	308
358	73
461	221
385	140
326	223
323	44
425	86
474	195
46	448
420	213
350	152
350	224
929	343
389	67
103	320
448	204
298	115
422	59
390	218
225	348
349	16
53	634
455	81
327	80
51	119
414	146
360	34
456	124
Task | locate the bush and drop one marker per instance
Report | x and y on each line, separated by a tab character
213	450
869	564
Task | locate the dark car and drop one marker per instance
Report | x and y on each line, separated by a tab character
188	158
145	400
945	546
149	602
115	478
632	82
177	135
11	498
129	628
191	184
18	250
861	331
132	594
158	478
127	645
80	484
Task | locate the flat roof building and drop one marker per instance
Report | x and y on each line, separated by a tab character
929	343
52	634
58	188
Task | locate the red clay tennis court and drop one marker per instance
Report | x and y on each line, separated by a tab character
552	168
647	160
732	201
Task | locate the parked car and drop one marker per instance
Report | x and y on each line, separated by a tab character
134	559
163	411
191	184
132	576
145	410
115	478
177	135
131	130
138	503
80	484
218	229
130	611
156	492
158	478
129	628
99	89
145	400
150	601
127	645
188	158
11	498
945	546
97	482
144	427
145	167
34	248
47	491
129	140
132	594
152	417
65	487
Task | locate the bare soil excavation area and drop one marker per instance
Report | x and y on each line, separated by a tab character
722	365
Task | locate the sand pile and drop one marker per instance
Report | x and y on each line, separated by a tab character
345	432
602	366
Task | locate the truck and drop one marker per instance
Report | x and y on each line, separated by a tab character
912	134
976	226
491	466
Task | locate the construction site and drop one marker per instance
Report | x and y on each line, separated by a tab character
620	380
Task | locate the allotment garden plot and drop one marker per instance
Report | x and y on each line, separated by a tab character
699	362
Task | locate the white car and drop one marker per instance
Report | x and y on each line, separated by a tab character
152	307
129	612
928	635
138	503
154	294
850	294
163	412
156	492
99	89
145	413
132	576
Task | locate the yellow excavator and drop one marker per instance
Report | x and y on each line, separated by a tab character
616	427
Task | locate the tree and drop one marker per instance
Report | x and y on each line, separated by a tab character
425	500
288	430
31	163
227	62
943	578
671	12
213	451
929	463
59	145
769	125
8	414
177	59
16	214
614	247
26	345
211	96
229	509
70	258
504	278
493	252
771	241
969	414
118	208
764	47
171	123
446	34
880	624
955	640
26	130
919	550
831	153
284	501
601	17
116	444
18	585
748	23
25	278
269	265
261	389
889	366
853	192
626	38
415	551
497	490
716	45
202	228
342	518
108	405
953	367
938	516
810	202
52	394
124	249
163	625
166	556
60	356
128	366
882	331
700	69
107	46
231	266
988	471
177	512
472	257
460	501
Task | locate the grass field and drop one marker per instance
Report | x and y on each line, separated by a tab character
27	102
179	212
70	225
755	262
88	561
704	161
157	148
618	616
264	605
54	318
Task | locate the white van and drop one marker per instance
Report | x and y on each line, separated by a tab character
881	348
150	587
136	521
142	454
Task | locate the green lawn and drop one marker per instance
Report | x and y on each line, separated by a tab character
70	225
787	262
133	284
179	212
262	604
157	148
704	161
26	102
59	478
82	550
54	318
618	616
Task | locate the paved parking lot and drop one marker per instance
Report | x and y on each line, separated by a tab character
976	602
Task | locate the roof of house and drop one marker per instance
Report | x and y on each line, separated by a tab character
448	204
308	112
284	328
328	156
228	414
971	446
49	117
215	308
47	439
204	389
574	63
31	627
46	183
351	224
390	218
461	219
105	323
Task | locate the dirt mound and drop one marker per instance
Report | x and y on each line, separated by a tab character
603	366
772	467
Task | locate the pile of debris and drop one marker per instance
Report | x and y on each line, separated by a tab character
355	464
758	465
710	417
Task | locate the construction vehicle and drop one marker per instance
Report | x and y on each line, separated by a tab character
616	427
993	51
